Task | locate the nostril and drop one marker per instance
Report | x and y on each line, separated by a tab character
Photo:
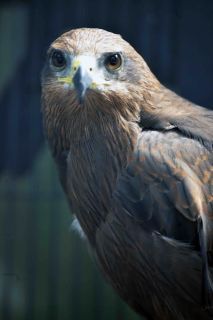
90	69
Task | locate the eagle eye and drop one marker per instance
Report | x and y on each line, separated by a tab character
113	62
58	59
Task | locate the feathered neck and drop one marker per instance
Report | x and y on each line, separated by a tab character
95	163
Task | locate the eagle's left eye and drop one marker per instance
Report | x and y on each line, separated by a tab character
58	59
113	62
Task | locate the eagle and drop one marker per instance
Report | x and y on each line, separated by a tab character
135	162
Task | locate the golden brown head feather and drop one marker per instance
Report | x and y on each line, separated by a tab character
137	77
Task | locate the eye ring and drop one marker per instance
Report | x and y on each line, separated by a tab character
113	62
58	59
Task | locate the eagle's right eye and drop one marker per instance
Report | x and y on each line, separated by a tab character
58	59
113	62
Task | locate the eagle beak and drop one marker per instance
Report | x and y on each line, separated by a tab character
81	82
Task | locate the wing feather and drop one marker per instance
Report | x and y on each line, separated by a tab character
165	184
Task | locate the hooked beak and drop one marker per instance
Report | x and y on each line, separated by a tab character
81	82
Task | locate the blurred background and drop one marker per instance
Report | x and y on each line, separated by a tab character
45	268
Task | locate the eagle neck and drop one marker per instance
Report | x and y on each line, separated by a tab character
94	165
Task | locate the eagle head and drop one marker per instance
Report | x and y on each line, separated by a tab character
97	70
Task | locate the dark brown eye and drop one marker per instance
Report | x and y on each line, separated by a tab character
58	59
113	62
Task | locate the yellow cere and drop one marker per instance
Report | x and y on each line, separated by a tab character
76	63
93	85
67	80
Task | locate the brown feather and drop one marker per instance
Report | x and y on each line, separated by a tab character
135	164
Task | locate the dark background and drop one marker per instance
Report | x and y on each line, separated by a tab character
45	269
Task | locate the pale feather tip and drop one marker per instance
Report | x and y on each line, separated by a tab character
75	226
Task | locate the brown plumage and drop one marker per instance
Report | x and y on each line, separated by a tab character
135	161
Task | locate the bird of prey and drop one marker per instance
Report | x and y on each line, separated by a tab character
135	162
